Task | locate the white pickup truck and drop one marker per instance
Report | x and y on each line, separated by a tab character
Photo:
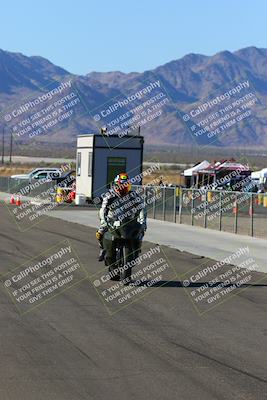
39	173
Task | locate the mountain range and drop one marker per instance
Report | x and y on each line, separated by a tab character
186	83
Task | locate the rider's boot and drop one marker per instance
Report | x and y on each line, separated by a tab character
101	256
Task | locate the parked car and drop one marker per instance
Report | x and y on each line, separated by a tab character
39	173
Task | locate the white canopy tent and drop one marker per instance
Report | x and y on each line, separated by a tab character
198	167
191	173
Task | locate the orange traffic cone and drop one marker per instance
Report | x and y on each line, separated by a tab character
18	201
12	199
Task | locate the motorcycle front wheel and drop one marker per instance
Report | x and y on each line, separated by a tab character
127	272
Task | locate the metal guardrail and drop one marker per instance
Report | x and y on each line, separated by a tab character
244	213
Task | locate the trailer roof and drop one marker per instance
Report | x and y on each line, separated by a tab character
107	136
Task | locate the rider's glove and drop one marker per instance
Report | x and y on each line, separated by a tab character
99	235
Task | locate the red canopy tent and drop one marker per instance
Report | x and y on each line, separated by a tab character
223	170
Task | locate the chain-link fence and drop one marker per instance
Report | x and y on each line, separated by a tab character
25	187
236	212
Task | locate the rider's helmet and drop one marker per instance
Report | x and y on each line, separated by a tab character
122	184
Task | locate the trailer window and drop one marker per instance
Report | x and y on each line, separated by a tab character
90	158
79	160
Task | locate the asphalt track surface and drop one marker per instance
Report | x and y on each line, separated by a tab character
158	347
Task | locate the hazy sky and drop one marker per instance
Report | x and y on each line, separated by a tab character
83	36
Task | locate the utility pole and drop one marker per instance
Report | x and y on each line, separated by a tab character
3	145
11	147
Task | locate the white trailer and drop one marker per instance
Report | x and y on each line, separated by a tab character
100	158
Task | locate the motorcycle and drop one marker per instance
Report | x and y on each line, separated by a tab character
126	237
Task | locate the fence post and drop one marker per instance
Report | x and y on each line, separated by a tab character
205	209
180	205
164	203
192	207
251	212
145	194
174	204
236	213
220	212
154	204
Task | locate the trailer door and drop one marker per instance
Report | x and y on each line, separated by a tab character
115	166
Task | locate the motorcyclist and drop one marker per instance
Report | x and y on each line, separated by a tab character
120	204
